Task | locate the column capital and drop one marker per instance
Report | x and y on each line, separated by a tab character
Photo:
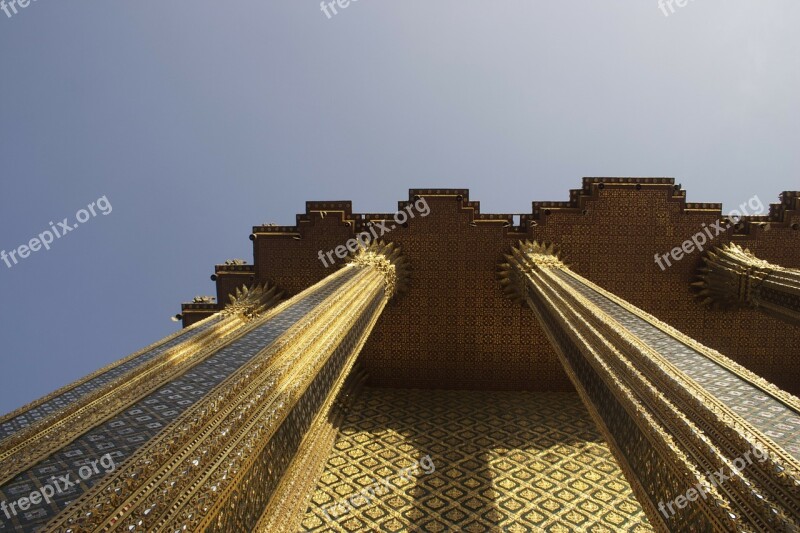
732	277
527	257
388	259
250	302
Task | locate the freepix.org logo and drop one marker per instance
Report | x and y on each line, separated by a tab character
377	229
9	7
325	6
56	231
369	494
708	233
58	485
715	479
664	4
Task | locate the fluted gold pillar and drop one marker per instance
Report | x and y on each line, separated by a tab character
220	464
706	445
733	277
38	429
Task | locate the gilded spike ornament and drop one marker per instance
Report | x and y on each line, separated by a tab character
733	277
250	302
664	402
530	255
388	259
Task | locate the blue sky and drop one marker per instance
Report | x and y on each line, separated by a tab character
197	120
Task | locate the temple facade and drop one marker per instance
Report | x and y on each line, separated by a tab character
621	361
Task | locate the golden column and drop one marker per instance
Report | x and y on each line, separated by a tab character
237	452
706	445
733	277
56	420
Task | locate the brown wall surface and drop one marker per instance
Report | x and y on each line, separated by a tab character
454	328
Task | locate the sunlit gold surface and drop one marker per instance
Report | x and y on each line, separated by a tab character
208	459
37	441
227	463
689	432
501	461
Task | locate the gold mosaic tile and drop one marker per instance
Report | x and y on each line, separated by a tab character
499	461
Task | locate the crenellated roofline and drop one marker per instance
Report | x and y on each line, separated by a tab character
233	274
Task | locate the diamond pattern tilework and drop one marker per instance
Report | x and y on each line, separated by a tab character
767	414
502	461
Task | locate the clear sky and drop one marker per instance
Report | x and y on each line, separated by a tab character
197	120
